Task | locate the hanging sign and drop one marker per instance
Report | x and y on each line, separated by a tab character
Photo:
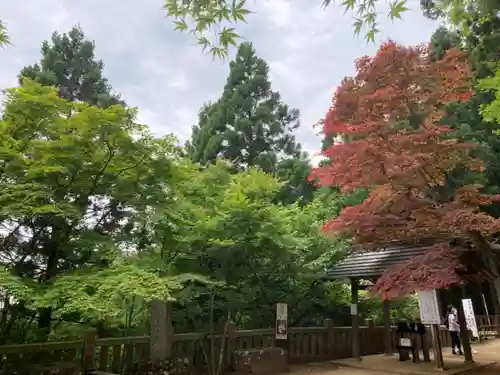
281	321
405	342
470	317
429	307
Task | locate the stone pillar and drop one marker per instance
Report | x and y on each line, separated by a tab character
89	347
161	329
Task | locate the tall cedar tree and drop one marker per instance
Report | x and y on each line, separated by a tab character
389	116
68	64
249	124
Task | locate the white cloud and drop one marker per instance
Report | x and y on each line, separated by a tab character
279	13
309	51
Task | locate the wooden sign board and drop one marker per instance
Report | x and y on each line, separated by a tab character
429	307
281	321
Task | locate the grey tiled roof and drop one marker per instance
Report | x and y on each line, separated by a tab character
372	264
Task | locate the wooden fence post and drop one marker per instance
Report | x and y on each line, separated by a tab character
369	347
89	347
330	337
230	344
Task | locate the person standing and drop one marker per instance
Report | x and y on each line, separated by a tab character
454	329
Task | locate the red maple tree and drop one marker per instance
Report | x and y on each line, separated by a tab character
394	143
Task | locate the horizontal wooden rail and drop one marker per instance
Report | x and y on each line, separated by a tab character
118	355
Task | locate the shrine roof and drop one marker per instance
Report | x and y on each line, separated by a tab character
373	263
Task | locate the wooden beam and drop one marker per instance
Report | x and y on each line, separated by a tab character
355	319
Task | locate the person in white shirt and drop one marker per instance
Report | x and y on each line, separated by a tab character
454	329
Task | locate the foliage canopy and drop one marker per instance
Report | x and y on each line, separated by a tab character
390	115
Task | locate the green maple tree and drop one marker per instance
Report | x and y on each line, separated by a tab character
77	182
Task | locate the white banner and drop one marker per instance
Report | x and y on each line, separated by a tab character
429	307
281	311
470	317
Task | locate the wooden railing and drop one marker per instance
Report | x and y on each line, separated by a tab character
190	351
34	358
118	355
488	324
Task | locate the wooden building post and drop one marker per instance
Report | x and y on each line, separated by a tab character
437	346
355	319
464	331
386	314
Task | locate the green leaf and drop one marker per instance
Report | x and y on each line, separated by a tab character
4	37
218	52
370	35
227	36
181	25
326	3
358	25
238	11
369	19
397	8
204	42
347	4
203	23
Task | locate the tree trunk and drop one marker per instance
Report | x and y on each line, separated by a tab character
45	314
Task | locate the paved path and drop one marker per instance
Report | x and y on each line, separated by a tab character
327	368
489	351
485	353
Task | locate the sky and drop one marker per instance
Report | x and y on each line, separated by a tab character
162	72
